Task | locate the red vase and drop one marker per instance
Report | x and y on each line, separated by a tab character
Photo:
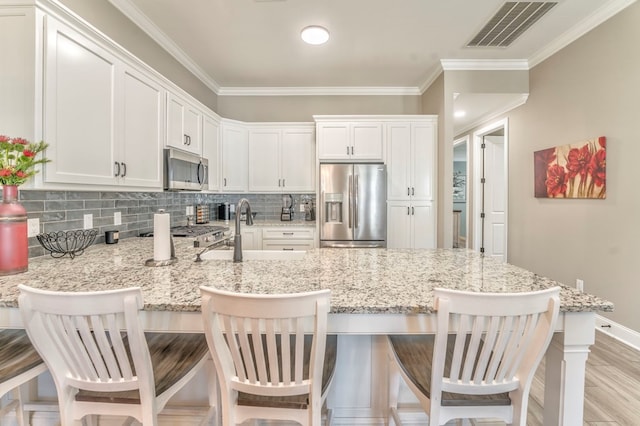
14	248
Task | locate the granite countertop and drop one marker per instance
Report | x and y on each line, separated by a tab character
362	281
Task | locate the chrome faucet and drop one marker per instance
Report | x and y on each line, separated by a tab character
237	238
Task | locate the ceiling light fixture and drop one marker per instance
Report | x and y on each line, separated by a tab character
315	34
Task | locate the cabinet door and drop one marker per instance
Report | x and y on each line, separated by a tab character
193	129
79	110
211	149
235	158
184	125
398	224
333	141
423	224
366	141
297	160
398	161
251	238
140	144
423	160
264	160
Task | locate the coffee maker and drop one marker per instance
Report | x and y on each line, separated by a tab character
287	208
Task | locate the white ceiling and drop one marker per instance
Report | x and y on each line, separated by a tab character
249	47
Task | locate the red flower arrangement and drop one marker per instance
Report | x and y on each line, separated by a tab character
18	159
572	171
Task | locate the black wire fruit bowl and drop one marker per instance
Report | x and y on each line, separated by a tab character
72	243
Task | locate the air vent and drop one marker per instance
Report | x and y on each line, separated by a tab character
510	22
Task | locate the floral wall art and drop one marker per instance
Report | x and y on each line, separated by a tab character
572	171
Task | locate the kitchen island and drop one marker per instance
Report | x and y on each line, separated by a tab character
374	292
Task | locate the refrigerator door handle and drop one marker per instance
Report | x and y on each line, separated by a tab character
350	200
355	201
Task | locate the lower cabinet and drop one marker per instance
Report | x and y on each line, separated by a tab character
251	238
285	238
410	224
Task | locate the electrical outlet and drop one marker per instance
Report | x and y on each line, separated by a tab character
88	221
33	227
117	218
232	208
580	285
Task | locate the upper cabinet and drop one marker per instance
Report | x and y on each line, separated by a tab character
184	125
234	162
103	118
349	138
211	149
281	158
411	160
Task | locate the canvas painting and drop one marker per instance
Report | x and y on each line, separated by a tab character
572	171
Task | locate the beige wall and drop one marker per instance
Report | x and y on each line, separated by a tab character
589	89
109	20
433	103
302	108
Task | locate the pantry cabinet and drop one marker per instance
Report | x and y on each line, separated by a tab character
102	117
349	139
411	224
281	159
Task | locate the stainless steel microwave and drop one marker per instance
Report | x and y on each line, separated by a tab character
185	171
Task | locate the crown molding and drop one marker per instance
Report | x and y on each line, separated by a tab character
140	19
485	64
319	91
431	78
610	9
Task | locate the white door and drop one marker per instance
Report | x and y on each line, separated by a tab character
333	141
264	160
366	141
490	190
495	238
235	158
399	224
423	225
211	149
398	161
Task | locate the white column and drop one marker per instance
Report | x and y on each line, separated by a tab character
565	370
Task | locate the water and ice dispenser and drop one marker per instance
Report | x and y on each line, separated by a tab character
333	207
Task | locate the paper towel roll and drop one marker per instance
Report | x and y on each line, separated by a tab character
161	236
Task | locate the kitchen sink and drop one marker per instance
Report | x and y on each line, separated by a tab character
255	255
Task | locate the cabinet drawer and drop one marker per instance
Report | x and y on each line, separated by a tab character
287	245
288	234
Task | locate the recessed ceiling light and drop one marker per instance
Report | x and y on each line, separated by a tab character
315	34
459	114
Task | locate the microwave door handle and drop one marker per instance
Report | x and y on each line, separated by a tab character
201	169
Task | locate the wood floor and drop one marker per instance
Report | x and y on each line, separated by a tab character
612	386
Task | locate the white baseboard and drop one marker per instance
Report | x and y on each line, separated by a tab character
619	332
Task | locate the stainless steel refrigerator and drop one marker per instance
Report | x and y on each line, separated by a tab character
353	205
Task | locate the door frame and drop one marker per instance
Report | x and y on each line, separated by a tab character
466	140
477	175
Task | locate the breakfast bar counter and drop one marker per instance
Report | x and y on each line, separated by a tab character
373	292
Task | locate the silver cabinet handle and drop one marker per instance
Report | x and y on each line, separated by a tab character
352	150
287	233
117	169
413	191
225	181
124	169
413	211
408	189
347	150
283	185
287	248
408	211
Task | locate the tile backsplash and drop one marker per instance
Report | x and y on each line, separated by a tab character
65	210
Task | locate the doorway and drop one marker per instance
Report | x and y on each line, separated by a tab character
460	192
490	198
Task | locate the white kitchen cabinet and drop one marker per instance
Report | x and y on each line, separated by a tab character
411	160
103	119
281	159
411	224
349	140
184	125
251	237
211	149
288	238
235	157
